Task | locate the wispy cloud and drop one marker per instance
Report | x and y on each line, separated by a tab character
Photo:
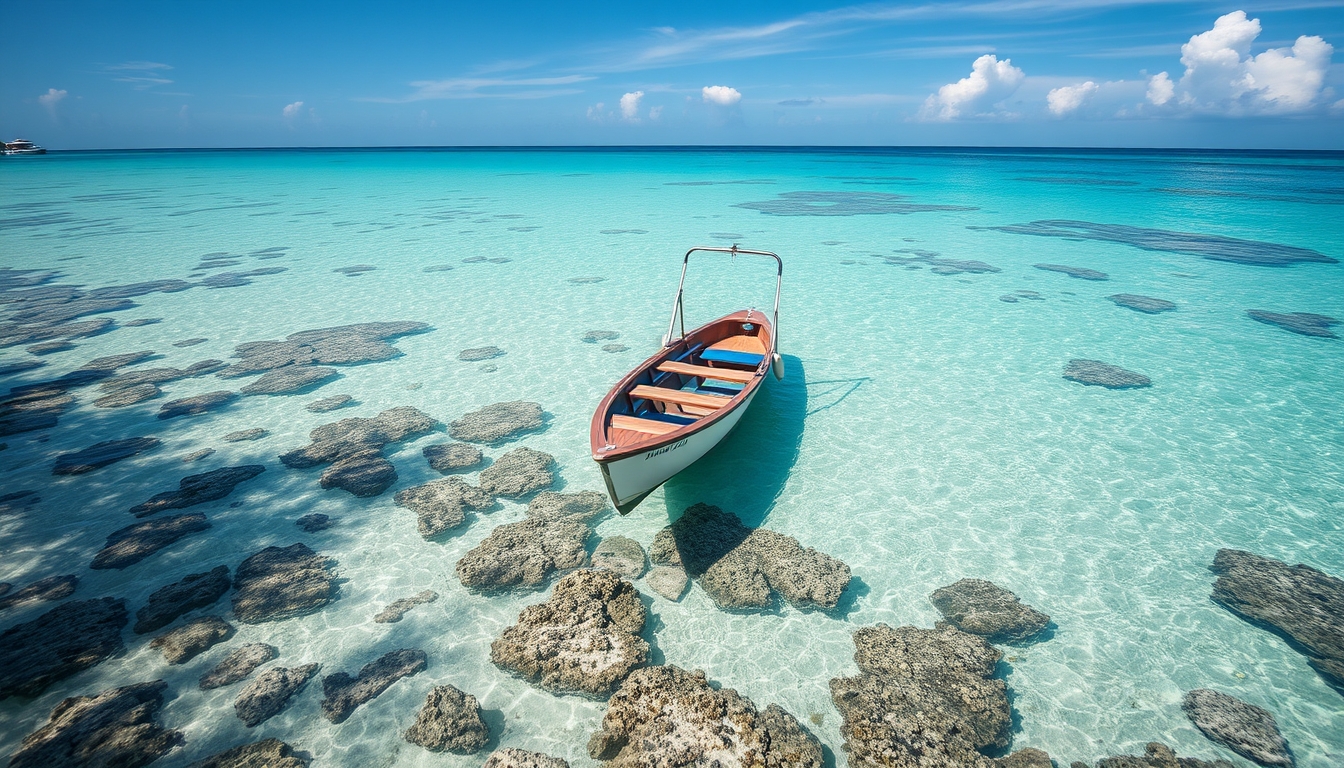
486	88
137	66
140	75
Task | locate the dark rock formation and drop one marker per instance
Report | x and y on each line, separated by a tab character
280	583
269	692
238	665
479	353
328	403
393	613
267	753
190	342
585	638
983	608
355	270
341	345
620	555
343	693
194	591
1146	304
182	644
1158	756
102	454
1304	323
313	522
449	721
198	489
452	457
614	348
290	379
197	455
1298	602
128	396
364	474
441	505
666	716
1243	728
67	639
197	404
497	423
922	697
245	435
668	580
510	757
142	376
841	203
1082	273
50	588
740	567
592	337
128	546
1095	372
116	728
527	552
518	473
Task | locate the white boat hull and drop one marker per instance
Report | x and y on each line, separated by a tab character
632	478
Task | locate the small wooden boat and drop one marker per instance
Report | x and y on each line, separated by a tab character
678	404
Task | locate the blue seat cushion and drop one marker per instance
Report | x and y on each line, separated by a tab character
731	356
718	388
670	418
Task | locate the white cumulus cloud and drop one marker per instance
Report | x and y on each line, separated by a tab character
990	82
52	97
1160	88
721	95
1223	77
292	111
630	105
1069	98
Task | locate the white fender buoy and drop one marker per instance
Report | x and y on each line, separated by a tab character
777	365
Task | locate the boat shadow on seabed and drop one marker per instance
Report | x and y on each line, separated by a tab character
746	473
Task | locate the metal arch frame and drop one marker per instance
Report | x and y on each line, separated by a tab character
678	310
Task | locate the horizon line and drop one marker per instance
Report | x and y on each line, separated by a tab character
699	148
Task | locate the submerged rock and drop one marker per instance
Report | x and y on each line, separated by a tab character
585	638
280	583
441	505
449	721
498	422
265	696
343	693
194	591
127	546
1158	756
353	446
364	474
922	697
1300	603
509	757
983	608
341	345
117	727
197	455
480	353
592	337
197	404
267	753
452	457
290	379
313	522
527	552
620	555
128	396
1243	728
245	435
198	489
1095	372
50	588
670	581
1082	273
102	454
666	716
190	342
1146	304
393	613
1303	323
238	665
328	403
185	642
740	567
67	639
518	473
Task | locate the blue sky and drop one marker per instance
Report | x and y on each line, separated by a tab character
984	72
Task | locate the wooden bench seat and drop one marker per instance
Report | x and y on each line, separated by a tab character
647	426
678	397
704	371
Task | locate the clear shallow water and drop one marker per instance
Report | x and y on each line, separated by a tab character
924	432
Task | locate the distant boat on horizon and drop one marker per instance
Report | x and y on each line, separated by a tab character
23	147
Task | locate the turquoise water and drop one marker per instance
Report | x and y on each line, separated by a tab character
924	432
